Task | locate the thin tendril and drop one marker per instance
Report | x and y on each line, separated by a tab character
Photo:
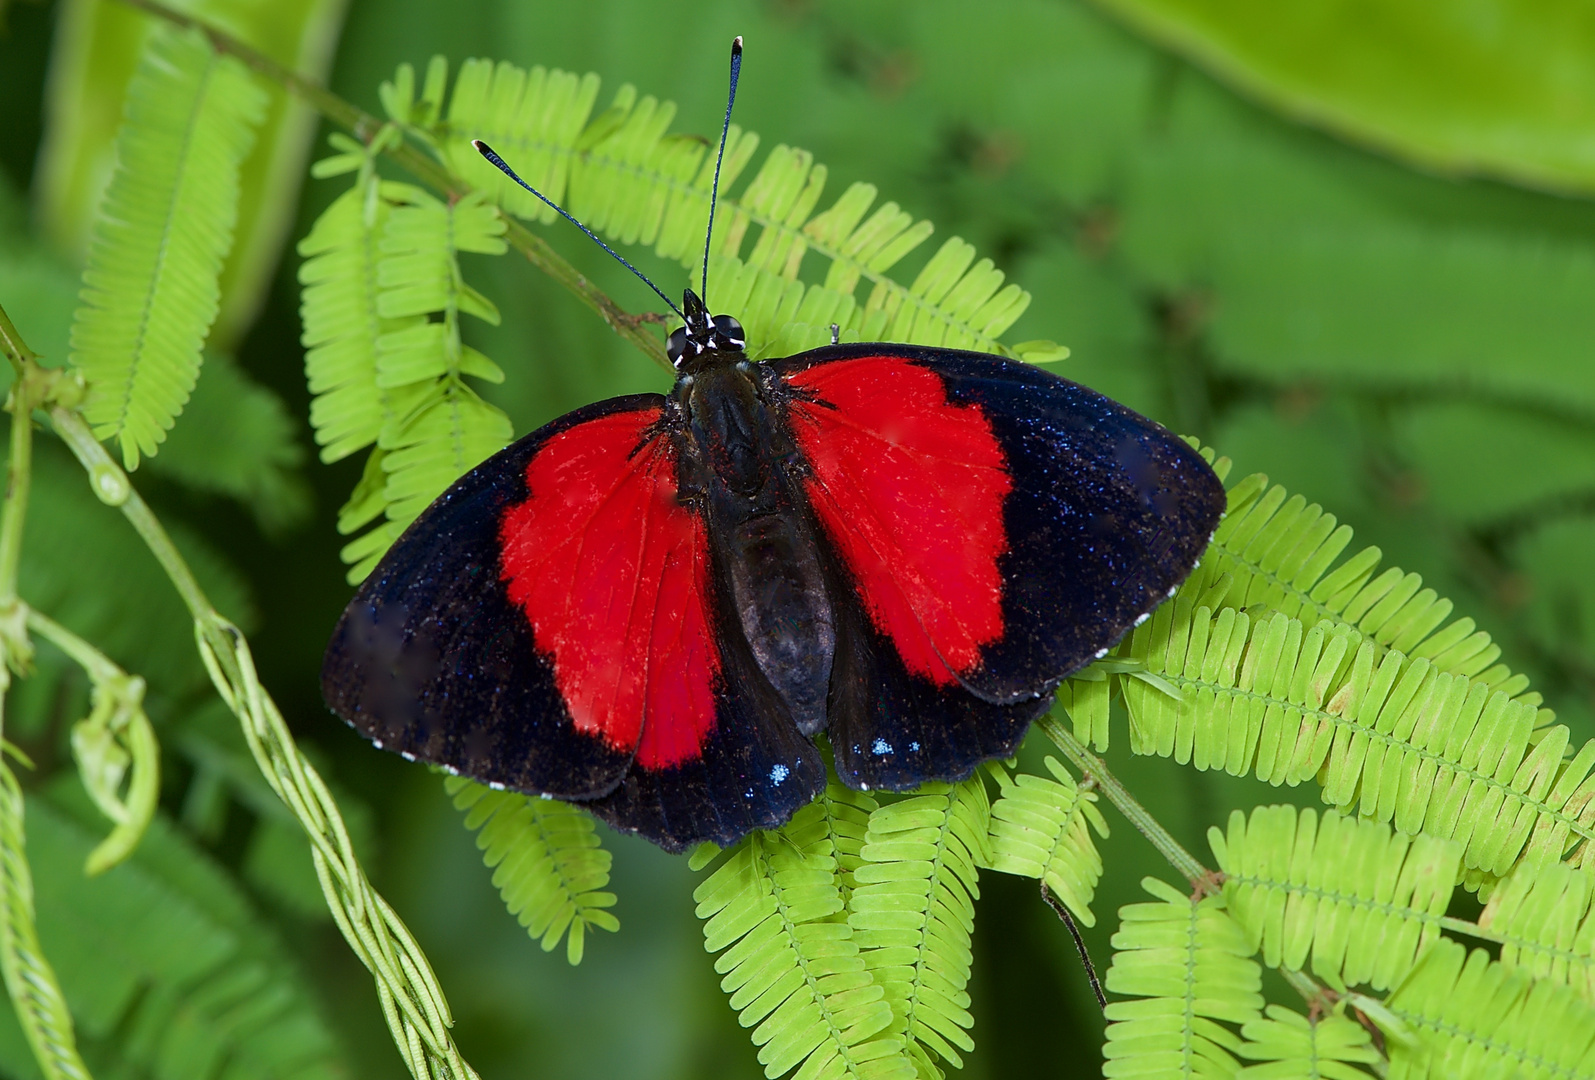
498	163
725	129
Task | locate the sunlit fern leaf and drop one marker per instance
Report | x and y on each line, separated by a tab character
1085	698
1542	911
1041	828
1391	737
169	971
1463	1016
548	863
625	175
1365	901
36	997
338	306
381	313
150	289
1273	550
912	910
1189	965
1292	1045
772	909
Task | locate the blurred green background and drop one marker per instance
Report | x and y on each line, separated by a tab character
1348	245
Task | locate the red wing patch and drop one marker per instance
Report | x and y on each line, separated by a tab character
909	487
612	572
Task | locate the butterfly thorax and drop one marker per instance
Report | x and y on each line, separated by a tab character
738	466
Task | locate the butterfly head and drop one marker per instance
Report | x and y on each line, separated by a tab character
703	333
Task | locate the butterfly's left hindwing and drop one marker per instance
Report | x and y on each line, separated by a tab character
550	625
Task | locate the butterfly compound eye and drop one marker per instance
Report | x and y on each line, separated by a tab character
730	329
677	345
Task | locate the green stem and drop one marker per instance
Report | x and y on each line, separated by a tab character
19	473
95	664
364	127
16	349
1093	767
113	486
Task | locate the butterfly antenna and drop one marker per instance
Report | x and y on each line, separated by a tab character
498	163
725	129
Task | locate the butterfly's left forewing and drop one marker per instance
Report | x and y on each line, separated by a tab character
549	625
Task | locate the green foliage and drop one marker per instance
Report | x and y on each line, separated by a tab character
791	961
1466	1016
1186	965
1541	915
1285	668
1428	87
626	178
168	970
35	994
1365	901
547	862
150	289
380	263
1294	1045
913	909
1041	828
238	440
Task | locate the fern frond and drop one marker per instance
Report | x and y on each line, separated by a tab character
1327	1047
30	981
164	953
1085	699
150	289
1395	737
238	440
1464	1016
1364	900
1041	828
547	862
790	963
913	910
382	261
627	177
338	307
1541	911
1190	965
1274	550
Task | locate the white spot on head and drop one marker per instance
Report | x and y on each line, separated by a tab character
779	773
1139	619
880	746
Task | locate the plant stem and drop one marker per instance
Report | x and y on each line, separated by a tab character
19	472
364	127
1092	766
113	486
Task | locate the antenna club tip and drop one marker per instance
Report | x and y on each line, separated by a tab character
736	45
481	147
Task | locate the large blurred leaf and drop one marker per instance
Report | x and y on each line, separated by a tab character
97	45
1492	87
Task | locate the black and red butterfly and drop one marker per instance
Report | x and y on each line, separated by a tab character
652	605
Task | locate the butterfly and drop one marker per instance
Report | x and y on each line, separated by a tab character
655	605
